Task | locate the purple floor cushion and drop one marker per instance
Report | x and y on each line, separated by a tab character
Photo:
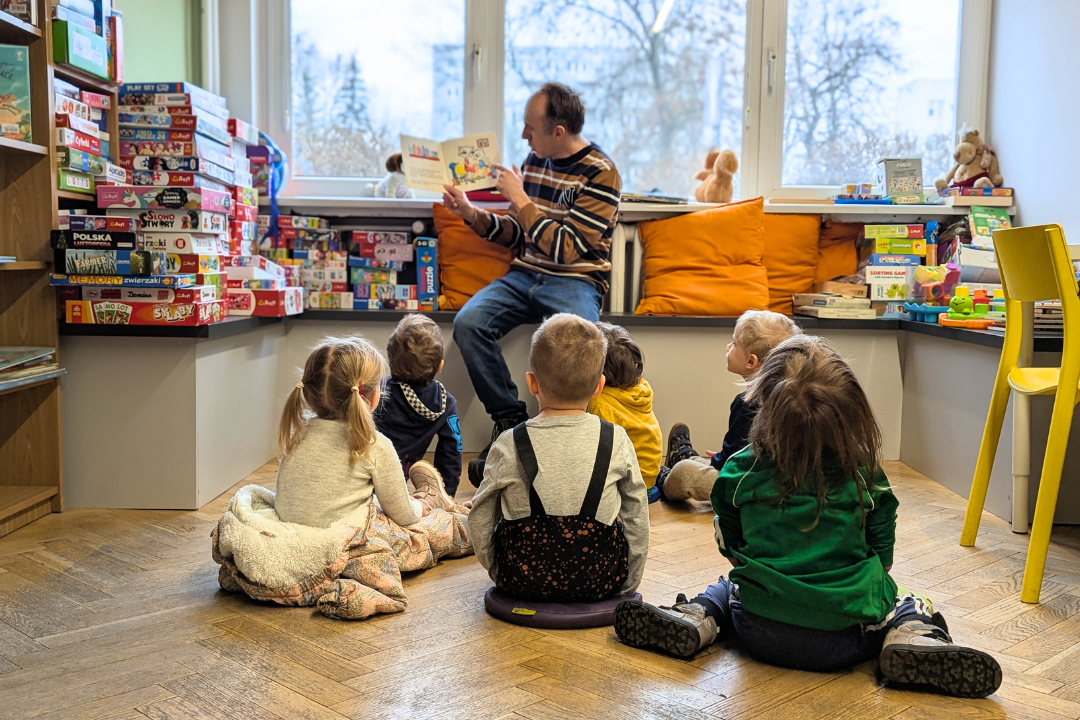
553	616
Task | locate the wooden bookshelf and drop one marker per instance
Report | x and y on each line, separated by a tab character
31	462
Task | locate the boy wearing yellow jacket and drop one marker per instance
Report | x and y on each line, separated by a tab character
627	401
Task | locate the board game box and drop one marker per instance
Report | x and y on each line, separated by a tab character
179	164
72	181
175	100
131	148
96	100
208	125
99	223
330	301
169	135
242	131
245	196
177	264
154	178
241	230
261	284
266	303
163	220
68	138
427	274
77	46
111	262
182	242
172	198
115	312
158	281
78	124
196	294
72	239
71	106
362	262
245	213
175	87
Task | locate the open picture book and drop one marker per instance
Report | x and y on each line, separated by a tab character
466	162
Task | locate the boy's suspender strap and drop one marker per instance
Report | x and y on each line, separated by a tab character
527	458
600	470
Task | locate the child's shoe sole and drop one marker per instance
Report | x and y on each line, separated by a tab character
951	670
639	624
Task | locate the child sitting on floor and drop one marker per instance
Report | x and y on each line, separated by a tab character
806	517
562	513
416	407
627	401
688	475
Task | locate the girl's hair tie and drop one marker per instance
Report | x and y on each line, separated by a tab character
356	389
300	385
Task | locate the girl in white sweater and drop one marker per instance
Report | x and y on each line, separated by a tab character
333	460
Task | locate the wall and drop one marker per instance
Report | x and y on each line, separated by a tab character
1033	97
160	40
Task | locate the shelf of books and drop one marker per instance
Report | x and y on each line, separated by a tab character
58	62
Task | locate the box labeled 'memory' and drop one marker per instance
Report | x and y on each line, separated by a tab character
157	281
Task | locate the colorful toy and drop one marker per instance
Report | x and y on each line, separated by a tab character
925	312
964	312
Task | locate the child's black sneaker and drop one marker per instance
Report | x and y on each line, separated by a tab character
681	630
678	445
478	463
920	654
661	478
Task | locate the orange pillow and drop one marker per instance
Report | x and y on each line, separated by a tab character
791	257
705	263
837	250
467	262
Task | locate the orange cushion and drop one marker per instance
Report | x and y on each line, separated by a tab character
837	250
705	263
791	257
467	262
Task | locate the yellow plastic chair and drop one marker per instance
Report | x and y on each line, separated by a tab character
1035	266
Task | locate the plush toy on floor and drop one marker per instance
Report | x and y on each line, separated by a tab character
718	177
976	164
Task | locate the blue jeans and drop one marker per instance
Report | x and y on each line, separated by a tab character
522	297
800	648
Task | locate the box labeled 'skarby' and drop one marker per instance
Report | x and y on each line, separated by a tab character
115	312
427	274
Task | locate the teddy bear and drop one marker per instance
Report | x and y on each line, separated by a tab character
976	164
718	177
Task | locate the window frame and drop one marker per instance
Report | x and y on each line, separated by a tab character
763	105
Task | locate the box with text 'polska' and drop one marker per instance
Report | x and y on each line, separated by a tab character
427	274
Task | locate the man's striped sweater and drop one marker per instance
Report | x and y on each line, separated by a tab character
566	229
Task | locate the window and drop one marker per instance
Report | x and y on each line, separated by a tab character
365	71
661	88
868	80
808	93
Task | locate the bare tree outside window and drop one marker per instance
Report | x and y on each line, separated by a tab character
658	95
868	80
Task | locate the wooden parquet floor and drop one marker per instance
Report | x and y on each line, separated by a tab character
116	615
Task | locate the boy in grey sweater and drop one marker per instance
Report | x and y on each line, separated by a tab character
562	513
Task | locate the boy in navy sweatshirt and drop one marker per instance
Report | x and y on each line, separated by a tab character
415	406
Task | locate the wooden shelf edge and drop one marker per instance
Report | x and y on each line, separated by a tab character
68	195
30	382
16	498
8	145
12	28
74	75
24	265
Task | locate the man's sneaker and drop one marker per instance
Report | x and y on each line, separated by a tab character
921	654
681	630
429	486
477	464
678	445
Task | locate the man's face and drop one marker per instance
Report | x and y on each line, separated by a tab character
535	132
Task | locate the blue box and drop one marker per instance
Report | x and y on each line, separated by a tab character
427	274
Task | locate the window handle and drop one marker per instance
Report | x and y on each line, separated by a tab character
478	59
746	118
772	66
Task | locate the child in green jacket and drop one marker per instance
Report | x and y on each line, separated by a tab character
807	519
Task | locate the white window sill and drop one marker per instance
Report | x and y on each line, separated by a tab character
628	212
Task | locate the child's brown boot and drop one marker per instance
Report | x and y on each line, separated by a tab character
429	487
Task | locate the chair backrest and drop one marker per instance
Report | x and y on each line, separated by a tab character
1026	258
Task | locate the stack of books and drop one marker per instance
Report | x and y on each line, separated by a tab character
1049	320
823	305
19	363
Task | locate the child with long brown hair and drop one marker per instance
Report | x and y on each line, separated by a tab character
806	517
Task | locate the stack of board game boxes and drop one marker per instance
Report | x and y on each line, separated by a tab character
83	144
188	210
888	257
88	35
354	269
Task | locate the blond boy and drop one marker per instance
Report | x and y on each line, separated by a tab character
690	475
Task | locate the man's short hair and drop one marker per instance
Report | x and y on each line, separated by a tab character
759	331
564	107
415	350
567	358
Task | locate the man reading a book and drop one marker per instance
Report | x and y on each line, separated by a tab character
563	203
